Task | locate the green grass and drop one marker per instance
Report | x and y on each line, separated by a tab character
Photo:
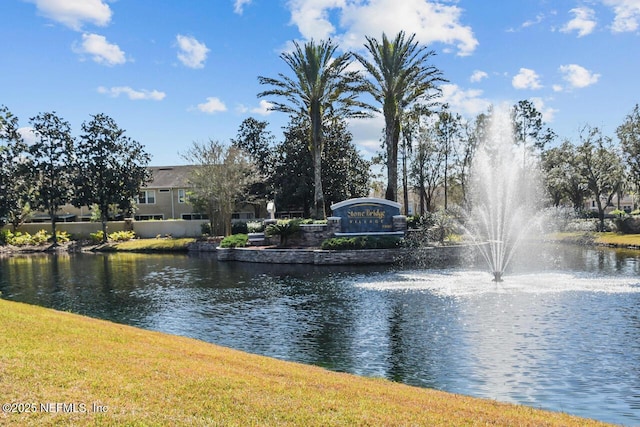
145	378
152	245
612	239
618	239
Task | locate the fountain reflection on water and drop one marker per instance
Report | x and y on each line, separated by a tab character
504	194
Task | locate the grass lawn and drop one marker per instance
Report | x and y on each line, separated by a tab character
152	245
608	238
120	375
618	239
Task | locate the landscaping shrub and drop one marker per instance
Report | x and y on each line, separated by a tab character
589	214
19	239
618	213
284	229
40	237
235	241
255	227
444	226
362	242
310	221
25	239
116	236
4	236
121	236
205	229
239	228
582	225
96	237
62	236
420	221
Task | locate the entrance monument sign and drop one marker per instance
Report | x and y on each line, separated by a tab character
367	215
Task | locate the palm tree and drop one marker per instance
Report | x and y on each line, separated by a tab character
401	76
322	88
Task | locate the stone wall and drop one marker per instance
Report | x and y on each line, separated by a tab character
434	256
309	256
311	235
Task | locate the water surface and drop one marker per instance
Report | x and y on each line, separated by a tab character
564	337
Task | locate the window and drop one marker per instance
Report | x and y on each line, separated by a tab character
182	195
149	217
147	197
195	216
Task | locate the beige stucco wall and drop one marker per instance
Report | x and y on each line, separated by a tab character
178	228
166	204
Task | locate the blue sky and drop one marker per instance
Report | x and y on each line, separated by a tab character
174	72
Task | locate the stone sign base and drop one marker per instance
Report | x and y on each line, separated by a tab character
311	256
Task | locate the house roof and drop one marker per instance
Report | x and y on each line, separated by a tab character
169	176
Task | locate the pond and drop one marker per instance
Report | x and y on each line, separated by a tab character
562	334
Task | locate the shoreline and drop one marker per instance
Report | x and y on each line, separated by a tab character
104	373
195	245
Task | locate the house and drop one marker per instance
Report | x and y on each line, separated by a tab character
625	203
164	197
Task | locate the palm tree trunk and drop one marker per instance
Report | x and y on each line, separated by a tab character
392	135
316	151
405	188
318	193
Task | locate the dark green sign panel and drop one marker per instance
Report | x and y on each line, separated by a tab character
366	215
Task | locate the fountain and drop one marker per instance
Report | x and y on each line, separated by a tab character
504	194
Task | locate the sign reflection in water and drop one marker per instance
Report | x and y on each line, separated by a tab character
567	339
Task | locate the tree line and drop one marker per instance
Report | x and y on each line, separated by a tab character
255	168
425	144
432	145
102	168
439	149
325	87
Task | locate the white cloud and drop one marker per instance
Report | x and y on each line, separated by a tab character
312	17
530	23
192	53
239	5
627	15
100	50
469	103
478	76
74	13
264	108
577	76
133	94
548	113
28	135
431	22
583	21
367	134
212	106
526	79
